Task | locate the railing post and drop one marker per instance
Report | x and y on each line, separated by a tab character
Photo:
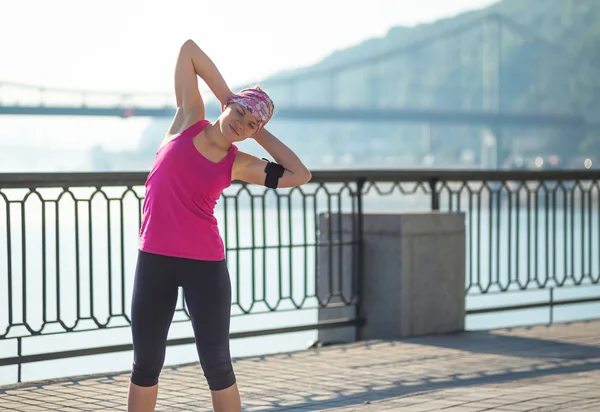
360	182
551	305
435	199
20	365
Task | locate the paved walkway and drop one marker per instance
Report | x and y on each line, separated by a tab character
540	369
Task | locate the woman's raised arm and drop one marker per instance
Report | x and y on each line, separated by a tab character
192	62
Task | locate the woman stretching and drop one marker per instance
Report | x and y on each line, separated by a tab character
179	243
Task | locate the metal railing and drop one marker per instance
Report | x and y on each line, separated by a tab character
68	245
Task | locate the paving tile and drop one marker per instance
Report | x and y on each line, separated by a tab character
542	369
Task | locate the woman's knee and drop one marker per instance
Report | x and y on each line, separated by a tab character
218	369
145	375
148	360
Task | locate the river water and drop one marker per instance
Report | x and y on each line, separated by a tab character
506	247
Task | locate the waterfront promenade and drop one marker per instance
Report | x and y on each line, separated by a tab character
540	368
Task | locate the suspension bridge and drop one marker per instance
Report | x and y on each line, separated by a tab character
322	93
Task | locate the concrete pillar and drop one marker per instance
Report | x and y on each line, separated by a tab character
414	273
337	274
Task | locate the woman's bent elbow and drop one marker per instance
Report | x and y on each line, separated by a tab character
188	46
188	42
304	177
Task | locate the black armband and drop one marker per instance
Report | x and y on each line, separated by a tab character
273	172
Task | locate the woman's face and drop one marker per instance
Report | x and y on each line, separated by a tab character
237	123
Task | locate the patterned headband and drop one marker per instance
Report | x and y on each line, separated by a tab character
257	102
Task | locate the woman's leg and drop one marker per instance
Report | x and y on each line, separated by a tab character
207	289
141	399
226	400
152	307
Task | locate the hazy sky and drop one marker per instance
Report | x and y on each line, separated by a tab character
132	44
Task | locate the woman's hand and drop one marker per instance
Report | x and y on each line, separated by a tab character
225	100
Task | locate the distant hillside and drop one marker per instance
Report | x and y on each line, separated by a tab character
549	62
571	24
551	65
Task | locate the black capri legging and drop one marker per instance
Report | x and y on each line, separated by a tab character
207	290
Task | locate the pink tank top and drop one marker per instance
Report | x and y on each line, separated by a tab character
182	190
